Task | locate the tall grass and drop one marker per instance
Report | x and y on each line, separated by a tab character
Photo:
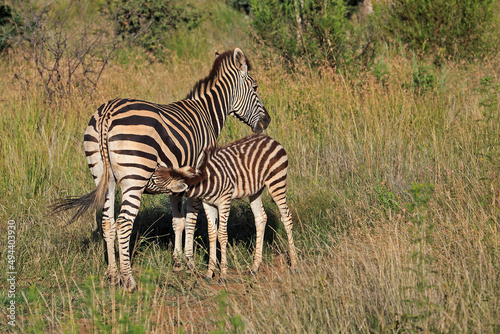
393	186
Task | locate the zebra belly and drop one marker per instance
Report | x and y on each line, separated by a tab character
246	190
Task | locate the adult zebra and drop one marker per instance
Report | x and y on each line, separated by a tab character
127	139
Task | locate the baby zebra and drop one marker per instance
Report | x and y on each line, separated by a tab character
238	170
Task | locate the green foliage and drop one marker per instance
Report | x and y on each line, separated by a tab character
444	28
424	79
243	5
381	71
421	193
8	22
312	29
151	23
386	198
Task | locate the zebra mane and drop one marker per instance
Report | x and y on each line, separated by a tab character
203	83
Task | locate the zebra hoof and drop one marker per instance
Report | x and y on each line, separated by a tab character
208	276
221	281
177	267
128	284
114	280
252	273
113	277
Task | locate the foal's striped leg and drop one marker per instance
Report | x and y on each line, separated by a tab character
211	213
178	222
224	207
277	190
260	227
193	205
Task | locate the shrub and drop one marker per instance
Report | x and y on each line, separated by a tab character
151	23
311	28
444	28
318	32
69	58
241	5
8	22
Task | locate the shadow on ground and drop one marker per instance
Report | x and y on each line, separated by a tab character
154	224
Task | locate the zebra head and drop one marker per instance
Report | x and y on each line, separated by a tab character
247	106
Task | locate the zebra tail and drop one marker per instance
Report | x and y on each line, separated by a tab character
93	200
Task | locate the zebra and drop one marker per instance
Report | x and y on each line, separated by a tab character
241	169
127	139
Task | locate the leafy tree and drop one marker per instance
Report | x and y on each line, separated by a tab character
311	28
445	28
151	22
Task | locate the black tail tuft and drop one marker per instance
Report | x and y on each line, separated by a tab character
81	204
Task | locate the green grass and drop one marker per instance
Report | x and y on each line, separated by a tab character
375	255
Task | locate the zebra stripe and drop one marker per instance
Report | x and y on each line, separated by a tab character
241	169
127	139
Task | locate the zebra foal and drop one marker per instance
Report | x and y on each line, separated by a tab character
127	139
241	169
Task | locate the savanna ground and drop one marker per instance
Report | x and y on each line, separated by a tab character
393	185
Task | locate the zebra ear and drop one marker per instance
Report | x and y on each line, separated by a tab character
178	186
240	61
187	172
217	54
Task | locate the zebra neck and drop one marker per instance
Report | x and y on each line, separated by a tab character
196	191
205	187
216	102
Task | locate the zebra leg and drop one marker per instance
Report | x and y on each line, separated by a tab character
109	231
193	206
178	222
130	207
260	227
278	193
211	212
224	207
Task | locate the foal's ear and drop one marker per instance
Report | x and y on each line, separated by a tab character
178	186
162	173
186	172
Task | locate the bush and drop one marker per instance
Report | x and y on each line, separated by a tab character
444	28
8	22
151	23
241	5
69	58
311	28
319	32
